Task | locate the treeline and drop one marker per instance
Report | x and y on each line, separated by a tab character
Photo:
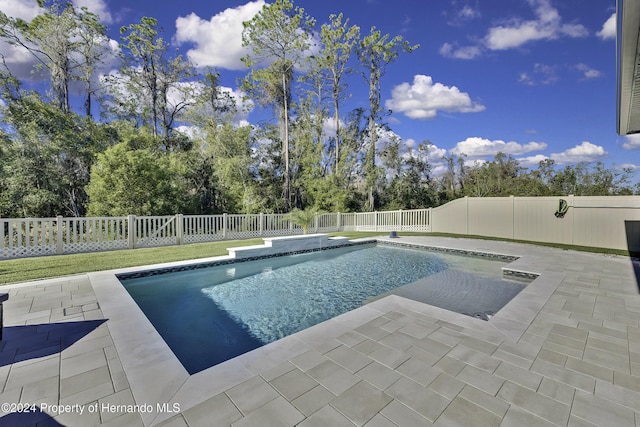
113	145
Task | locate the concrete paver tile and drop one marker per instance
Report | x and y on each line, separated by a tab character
361	402
327	416
89	395
627	381
557	390
474	358
389	357
83	362
252	394
426	402
480	379
433	346
348	358
45	391
218	410
416	370
31	372
313	400
367	346
589	368
518	417
293	384
277	371
601	411
380	421
277	413
616	361
130	419
307	360
351	338
84	381
572	378
403	416
618	395
538	404
485	400
479	345
378	375
450	365
116	405
461	412
333	377
10	396
447	385
518	375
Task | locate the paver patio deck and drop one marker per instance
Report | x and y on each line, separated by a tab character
564	352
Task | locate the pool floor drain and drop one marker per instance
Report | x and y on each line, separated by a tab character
486	315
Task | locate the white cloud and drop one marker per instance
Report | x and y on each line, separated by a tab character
542	75
22	63
632	142
547	26
26	10
531	161
424	98
608	30
480	147
462	15
218	41
585	152
588	73
629	166
468	13
434	154
17	58
99	7
449	50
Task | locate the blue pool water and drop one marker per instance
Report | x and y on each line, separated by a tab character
213	314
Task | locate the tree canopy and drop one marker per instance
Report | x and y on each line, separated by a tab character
159	135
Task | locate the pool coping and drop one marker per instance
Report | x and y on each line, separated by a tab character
147	360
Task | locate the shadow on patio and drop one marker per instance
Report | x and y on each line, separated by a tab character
21	343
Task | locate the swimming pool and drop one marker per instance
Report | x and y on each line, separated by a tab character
209	315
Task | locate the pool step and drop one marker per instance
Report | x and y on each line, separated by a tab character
287	244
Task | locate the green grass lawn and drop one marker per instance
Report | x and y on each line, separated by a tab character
27	269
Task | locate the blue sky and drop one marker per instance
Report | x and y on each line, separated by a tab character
531	78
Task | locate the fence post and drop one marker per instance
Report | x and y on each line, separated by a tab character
59	231
224	226
179	230
338	225
430	220
261	222
131	231
316	222
2	234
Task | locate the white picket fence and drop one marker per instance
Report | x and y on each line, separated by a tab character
27	237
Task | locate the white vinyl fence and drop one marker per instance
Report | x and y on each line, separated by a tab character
603	222
49	236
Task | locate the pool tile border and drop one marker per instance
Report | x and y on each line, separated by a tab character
196	266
